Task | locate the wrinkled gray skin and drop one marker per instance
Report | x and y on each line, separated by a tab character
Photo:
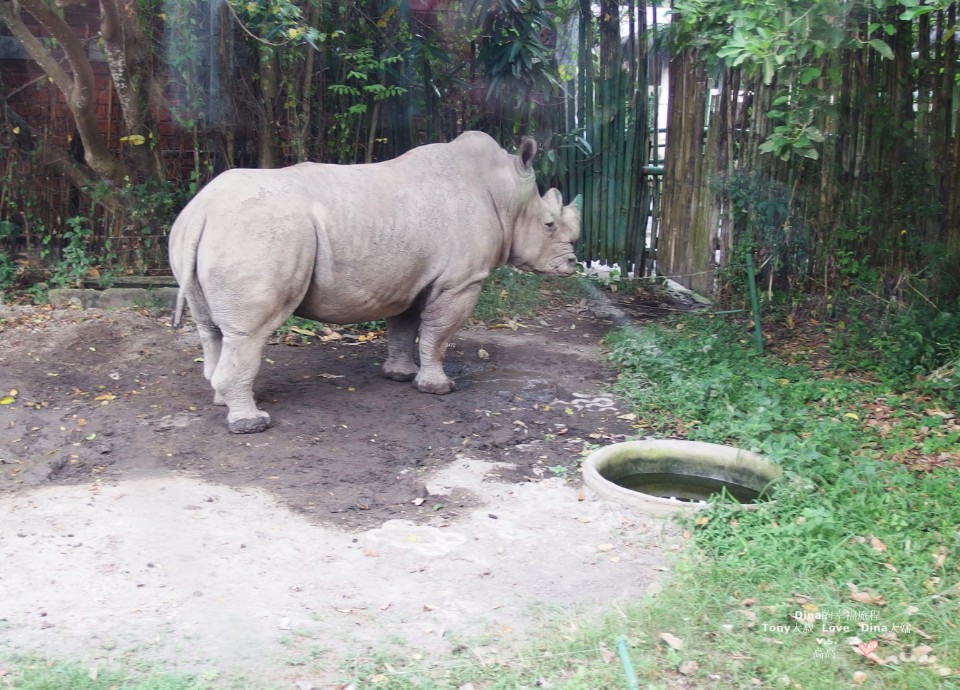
409	240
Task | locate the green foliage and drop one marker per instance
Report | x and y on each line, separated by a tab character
364	83
902	344
782	40
509	293
765	223
75	260
277	22
512	54
8	270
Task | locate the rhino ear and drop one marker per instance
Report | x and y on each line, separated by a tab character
578	202
554	198
528	151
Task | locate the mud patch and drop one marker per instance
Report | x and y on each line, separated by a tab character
107	395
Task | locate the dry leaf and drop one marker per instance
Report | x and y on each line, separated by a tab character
868	598
939	559
859	678
603	548
606	654
877	545
751	618
675	642
688	668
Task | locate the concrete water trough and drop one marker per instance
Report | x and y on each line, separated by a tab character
667	475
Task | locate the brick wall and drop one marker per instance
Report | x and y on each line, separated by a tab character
31	95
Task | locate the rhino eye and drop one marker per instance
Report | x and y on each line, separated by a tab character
550	224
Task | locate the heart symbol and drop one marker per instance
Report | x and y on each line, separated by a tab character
866	648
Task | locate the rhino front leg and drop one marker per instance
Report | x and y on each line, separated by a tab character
401	341
442	317
233	382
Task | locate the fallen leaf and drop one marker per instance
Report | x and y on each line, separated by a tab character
688	668
603	548
940	557
859	678
302	331
675	642
868	598
7	400
877	545
751	618
106	396
483	354
605	654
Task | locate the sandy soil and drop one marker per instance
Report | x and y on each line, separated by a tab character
370	516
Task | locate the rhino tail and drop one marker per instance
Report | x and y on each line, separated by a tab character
177	320
189	282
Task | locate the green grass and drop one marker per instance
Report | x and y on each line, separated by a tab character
509	293
38	674
853	537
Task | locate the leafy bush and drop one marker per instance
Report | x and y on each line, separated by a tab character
904	345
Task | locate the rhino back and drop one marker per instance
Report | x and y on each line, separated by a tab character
377	235
389	231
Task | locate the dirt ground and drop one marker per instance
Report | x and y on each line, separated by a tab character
370	516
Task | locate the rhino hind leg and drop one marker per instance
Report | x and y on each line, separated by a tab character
401	343
232	380
211	340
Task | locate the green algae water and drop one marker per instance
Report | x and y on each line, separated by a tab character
685	487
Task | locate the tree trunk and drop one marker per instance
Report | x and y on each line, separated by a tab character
268	154
127	55
78	88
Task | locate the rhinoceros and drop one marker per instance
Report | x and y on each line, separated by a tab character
409	240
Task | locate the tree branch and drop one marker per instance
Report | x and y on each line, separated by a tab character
79	90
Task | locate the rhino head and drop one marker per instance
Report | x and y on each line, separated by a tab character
546	229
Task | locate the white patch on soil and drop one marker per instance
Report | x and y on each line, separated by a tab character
197	576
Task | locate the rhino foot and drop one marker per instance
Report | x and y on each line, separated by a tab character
436	387
250	425
399	375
